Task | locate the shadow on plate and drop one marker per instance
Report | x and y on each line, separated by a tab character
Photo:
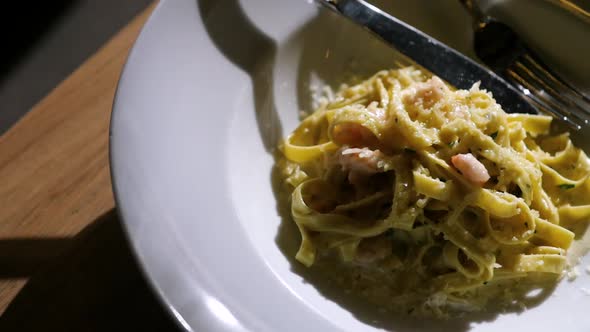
238	39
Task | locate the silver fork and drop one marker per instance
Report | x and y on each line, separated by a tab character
501	49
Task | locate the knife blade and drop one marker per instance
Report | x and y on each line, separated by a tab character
442	60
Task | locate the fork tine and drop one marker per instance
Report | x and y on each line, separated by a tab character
539	66
548	101
558	96
543	104
550	95
544	89
553	90
553	84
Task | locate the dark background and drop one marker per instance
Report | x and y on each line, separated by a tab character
44	41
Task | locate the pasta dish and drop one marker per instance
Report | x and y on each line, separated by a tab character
426	197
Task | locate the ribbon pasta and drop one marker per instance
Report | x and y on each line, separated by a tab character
438	187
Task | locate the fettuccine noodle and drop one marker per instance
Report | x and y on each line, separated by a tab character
437	190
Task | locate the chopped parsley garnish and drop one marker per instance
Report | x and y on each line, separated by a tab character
566	186
453	143
494	135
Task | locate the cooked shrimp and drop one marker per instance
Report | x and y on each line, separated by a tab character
361	163
363	160
471	168
353	134
427	93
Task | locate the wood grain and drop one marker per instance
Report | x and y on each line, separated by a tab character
54	166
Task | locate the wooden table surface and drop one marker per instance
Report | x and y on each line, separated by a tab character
65	264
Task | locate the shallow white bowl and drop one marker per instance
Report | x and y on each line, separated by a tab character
208	90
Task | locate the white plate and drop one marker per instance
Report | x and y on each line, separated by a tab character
208	90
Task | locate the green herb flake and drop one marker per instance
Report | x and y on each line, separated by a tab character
566	186
494	135
453	143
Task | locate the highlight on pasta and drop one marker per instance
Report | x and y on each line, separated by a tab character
429	196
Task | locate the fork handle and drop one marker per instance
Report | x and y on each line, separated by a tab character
452	66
